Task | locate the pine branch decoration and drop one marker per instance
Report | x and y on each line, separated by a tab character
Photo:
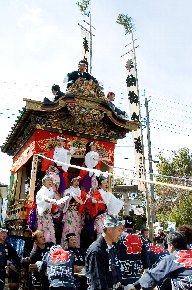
83	6
127	22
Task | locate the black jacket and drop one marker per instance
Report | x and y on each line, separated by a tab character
79	256
133	257
7	252
59	266
73	76
177	266
98	266
38	253
58	95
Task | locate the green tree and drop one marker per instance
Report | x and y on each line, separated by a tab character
84	6
127	22
173	204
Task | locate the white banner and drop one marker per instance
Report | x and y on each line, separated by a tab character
134	109
85	38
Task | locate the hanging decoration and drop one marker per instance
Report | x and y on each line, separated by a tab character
85	39
84	7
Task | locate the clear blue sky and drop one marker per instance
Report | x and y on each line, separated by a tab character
40	43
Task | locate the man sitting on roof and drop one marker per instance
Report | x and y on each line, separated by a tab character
56	92
80	73
57	95
110	99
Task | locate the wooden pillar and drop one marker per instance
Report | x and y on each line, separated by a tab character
110	178
18	186
33	176
127	203
24	177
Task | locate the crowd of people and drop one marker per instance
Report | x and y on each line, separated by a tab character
118	259
80	242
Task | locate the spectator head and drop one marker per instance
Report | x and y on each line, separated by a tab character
71	240
160	230
75	181
111	96
145	233
176	241
187	231
113	228
3	235
55	89
128	222
39	238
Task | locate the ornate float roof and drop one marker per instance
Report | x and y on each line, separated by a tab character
83	111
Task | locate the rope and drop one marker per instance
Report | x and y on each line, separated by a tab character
106	173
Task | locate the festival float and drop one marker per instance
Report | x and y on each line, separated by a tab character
81	115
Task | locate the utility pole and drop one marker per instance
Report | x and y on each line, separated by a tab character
151	213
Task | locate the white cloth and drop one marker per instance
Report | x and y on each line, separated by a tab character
114	205
66	79
129	287
43	194
62	200
63	155
91	160
71	192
